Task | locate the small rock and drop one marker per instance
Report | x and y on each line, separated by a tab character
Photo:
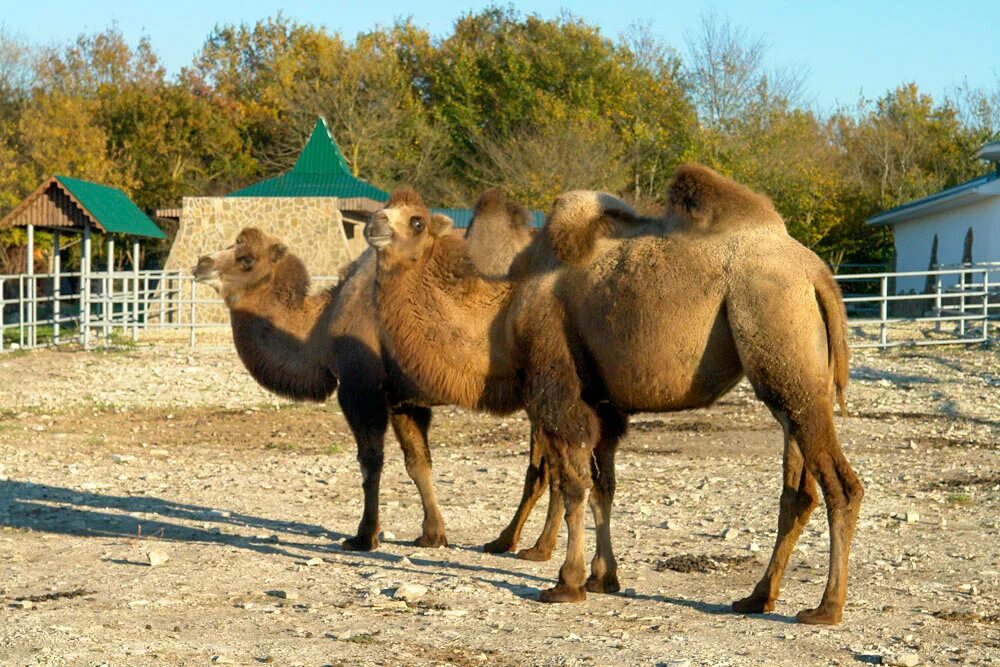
122	458
901	659
572	637
629	592
670	524
387	536
754	546
730	534
314	561
911	516
282	595
405	561
24	604
684	662
410	592
454	613
223	660
155	557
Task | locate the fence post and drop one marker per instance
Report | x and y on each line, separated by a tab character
135	286
32	313
85	288
986	305
961	303
56	286
937	301
883	311
193	286
108	309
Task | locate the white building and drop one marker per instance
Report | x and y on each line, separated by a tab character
949	215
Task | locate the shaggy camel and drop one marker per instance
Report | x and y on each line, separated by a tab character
593	327
299	345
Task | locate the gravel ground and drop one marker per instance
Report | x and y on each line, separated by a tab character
112	461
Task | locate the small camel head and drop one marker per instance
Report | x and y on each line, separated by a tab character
242	267
404	227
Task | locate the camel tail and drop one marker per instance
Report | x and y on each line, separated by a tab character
580	218
835	316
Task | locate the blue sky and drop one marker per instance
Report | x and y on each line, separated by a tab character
847	48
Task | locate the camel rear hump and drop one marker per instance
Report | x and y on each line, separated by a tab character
701	199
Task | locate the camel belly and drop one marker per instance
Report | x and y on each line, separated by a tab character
657	332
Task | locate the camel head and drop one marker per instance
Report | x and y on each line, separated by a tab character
256	261
404	228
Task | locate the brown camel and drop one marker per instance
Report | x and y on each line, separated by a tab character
670	317
299	345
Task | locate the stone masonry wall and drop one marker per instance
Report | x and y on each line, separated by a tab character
312	227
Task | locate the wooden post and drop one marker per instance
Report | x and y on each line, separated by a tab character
194	285
32	330
937	302
135	286
85	258
56	286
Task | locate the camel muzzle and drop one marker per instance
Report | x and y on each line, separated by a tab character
378	231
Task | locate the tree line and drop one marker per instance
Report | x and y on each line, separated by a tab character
532	105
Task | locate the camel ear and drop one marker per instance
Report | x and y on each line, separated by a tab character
440	225
277	251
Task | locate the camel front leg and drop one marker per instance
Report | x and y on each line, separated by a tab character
535	480
368	416
546	542
410	424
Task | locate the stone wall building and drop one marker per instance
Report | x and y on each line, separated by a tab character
318	208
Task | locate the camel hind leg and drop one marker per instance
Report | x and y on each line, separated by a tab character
536	479
782	342
799	497
604	568
410	424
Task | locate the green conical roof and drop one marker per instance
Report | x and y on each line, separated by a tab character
321	154
320	171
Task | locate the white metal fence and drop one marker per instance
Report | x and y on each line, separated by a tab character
106	308
110	307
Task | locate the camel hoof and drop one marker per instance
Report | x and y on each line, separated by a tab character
562	593
754	604
431	541
535	553
501	545
818	616
360	543
606	584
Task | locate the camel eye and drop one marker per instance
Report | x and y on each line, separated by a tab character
417	224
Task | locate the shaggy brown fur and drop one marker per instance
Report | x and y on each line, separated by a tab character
650	323
298	345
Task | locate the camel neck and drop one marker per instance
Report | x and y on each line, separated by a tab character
445	325
284	345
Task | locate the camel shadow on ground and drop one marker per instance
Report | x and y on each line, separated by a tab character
53	509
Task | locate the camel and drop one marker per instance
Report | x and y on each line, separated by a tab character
301	346
591	326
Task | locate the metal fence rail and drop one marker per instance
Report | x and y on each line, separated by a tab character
103	308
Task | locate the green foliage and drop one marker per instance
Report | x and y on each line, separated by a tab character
533	105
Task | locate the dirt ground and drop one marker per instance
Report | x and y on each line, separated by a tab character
107	457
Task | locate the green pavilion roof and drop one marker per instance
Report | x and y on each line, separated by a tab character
320	171
71	204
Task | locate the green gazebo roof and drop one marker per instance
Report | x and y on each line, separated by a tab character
71	204
320	171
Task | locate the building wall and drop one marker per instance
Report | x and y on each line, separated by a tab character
312	227
914	238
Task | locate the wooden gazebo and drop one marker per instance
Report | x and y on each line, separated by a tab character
62	204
